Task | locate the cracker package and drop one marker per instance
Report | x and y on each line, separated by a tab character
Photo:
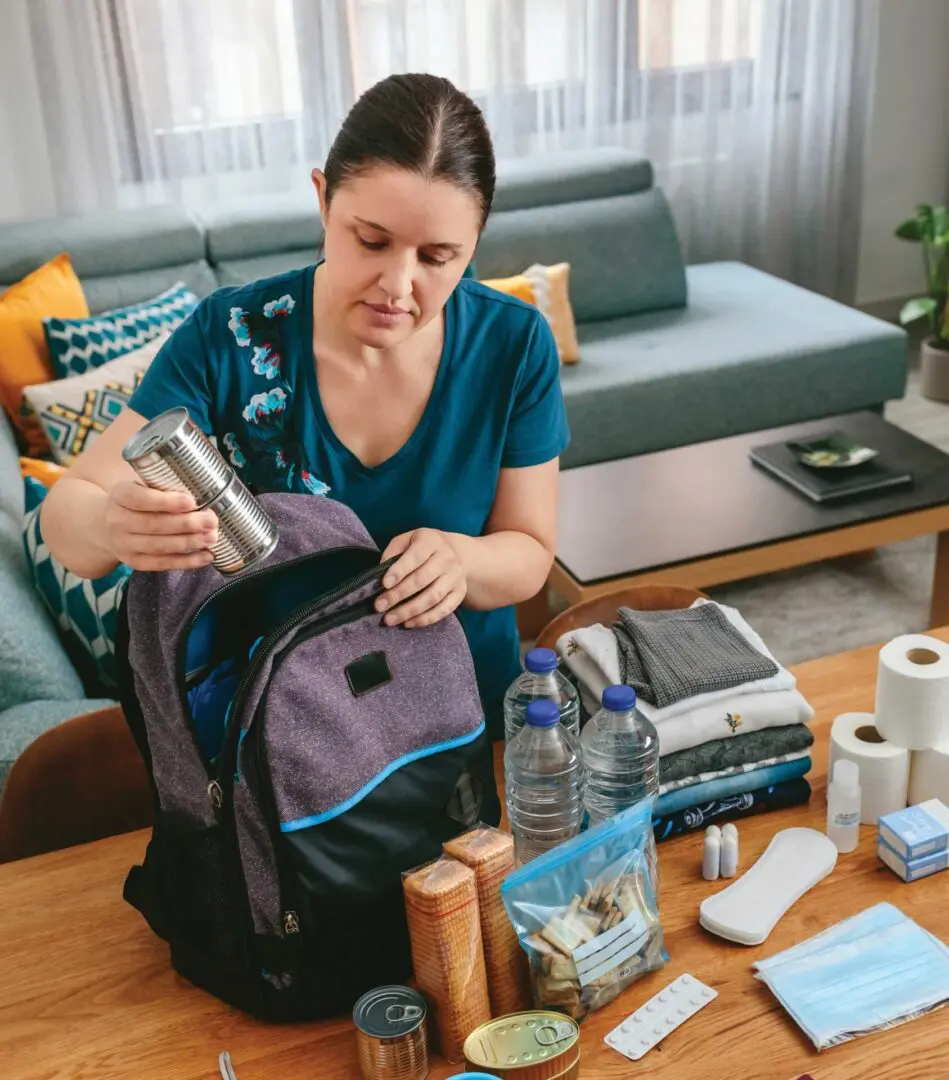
490	853
586	914
441	909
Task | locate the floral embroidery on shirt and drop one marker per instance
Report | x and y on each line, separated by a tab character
270	455
313	486
283	306
234	451
265	361
237	324
263	405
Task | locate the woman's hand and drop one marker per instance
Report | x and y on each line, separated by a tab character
149	529
426	584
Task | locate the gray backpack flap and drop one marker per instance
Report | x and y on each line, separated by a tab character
302	756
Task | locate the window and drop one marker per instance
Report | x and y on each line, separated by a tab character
681	34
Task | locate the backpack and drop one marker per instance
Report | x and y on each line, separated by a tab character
302	757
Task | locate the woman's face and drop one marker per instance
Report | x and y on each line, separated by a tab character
396	246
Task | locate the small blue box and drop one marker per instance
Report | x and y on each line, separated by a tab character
917	830
914	869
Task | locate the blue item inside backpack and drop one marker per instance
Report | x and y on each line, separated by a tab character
226	633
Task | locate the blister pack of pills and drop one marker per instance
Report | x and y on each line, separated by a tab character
663	1013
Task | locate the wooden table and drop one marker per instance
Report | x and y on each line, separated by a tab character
87	993
703	515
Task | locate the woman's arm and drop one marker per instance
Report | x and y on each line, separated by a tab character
508	564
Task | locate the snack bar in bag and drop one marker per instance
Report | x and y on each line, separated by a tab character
587	915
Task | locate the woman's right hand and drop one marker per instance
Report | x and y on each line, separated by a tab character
149	529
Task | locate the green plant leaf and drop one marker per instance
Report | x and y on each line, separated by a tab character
916	309
910	230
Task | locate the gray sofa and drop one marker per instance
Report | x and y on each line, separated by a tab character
670	354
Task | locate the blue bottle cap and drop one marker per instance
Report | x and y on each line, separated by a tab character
619	698
541	661
543	713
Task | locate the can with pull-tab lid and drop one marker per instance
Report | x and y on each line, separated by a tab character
172	454
391	1034
526	1046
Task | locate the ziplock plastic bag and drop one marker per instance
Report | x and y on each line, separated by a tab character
868	973
587	916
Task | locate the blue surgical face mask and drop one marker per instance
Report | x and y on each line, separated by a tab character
865	974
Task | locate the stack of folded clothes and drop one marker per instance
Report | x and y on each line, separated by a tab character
733	735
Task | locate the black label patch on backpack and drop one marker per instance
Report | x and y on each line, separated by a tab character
368	673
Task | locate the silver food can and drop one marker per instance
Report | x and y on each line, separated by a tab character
391	1034
172	454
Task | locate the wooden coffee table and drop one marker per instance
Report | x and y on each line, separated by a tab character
703	515
87	992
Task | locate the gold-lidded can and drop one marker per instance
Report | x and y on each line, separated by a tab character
391	1034
534	1045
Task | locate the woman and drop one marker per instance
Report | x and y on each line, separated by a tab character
426	402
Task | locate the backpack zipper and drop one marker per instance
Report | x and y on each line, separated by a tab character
181	658
228	759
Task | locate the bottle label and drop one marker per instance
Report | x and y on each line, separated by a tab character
848	819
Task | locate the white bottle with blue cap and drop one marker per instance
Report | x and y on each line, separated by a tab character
620	756
540	678
543	778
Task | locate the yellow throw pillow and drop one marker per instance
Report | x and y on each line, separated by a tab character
52	291
548	287
47	472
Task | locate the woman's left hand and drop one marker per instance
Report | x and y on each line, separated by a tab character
426	584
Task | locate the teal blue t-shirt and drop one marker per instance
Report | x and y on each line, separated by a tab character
243	366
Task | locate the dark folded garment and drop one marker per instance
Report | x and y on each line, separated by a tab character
719	754
777	797
667	656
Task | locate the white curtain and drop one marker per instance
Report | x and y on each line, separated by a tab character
753	112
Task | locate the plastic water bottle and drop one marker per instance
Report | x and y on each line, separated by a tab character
620	756
543	771
540	679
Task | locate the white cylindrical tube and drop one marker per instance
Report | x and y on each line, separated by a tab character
712	853
730	850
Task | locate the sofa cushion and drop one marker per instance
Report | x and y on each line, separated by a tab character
21	724
74	412
570	176
240	271
86	611
79	345
623	252
121	256
33	662
262	225
51	290
749	352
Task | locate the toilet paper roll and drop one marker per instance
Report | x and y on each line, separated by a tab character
884	768
929	775
912	703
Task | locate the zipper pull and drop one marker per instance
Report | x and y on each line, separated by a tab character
291	924
215	795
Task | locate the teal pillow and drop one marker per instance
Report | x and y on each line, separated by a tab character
79	345
86	612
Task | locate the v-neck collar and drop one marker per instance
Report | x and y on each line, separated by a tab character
431	406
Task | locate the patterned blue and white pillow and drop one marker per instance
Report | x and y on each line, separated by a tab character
85	611
78	345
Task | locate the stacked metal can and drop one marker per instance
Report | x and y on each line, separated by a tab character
526	1046
391	1034
172	454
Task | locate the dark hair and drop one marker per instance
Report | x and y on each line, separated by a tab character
418	122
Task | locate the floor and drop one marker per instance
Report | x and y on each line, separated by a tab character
817	610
